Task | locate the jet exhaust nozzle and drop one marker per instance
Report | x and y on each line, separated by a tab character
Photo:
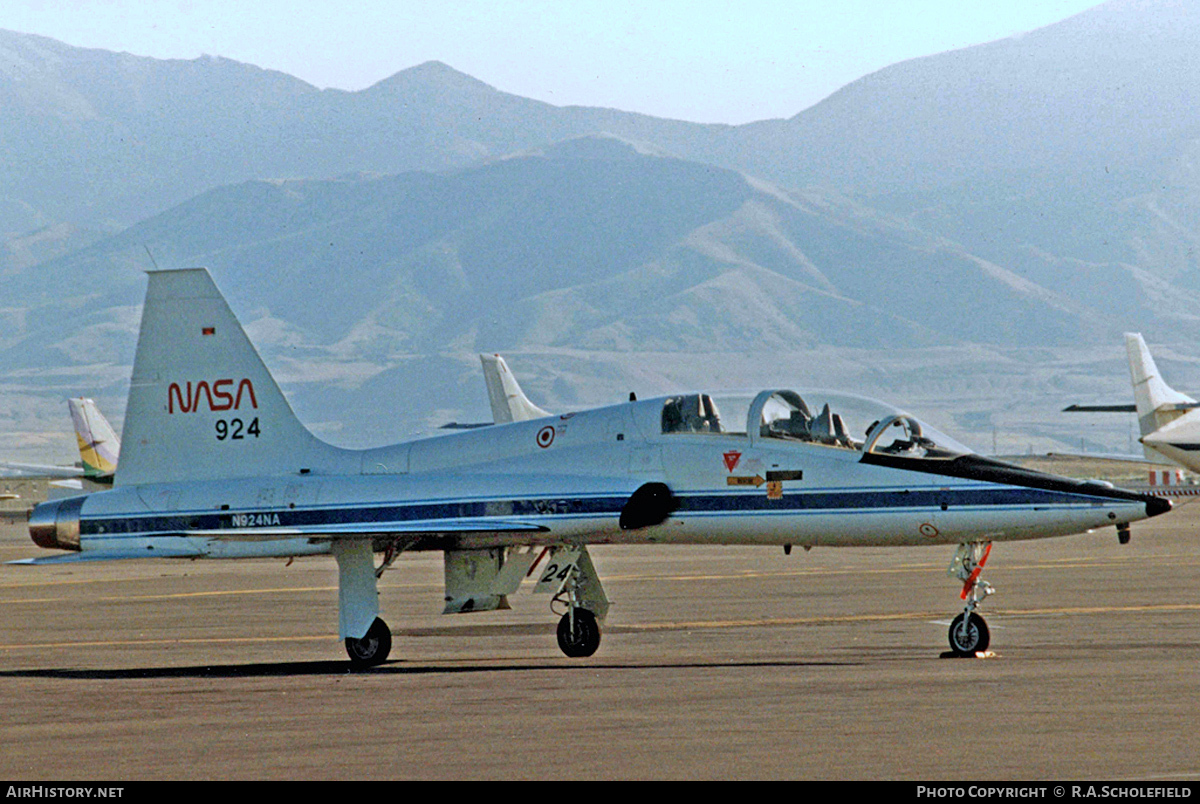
55	524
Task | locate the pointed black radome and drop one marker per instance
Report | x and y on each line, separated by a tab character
649	505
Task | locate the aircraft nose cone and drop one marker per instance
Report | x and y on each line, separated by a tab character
1157	505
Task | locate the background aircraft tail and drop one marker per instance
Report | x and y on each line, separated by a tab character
1157	403
99	447
202	405
509	403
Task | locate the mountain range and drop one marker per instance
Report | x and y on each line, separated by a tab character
979	210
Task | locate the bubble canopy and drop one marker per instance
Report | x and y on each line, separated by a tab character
816	416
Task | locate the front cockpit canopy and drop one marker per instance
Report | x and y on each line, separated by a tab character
691	413
830	419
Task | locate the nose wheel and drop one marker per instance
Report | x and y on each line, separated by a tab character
969	635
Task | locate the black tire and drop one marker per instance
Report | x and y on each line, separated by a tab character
372	649
971	640
585	638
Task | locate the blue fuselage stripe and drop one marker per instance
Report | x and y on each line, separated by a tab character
699	504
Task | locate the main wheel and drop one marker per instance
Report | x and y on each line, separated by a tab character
969	636
583	639
373	648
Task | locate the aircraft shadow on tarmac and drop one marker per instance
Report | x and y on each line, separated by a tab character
400	667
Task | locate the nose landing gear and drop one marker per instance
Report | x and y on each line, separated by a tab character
969	634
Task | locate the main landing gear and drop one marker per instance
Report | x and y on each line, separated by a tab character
578	633
968	632
578	629
371	649
358	604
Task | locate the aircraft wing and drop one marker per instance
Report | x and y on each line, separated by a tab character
1181	406
1113	457
353	531
10	469
1100	409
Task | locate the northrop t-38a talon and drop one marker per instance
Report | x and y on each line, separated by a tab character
216	465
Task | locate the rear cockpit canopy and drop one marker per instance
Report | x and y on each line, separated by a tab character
830	419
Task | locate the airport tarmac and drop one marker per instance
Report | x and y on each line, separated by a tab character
716	663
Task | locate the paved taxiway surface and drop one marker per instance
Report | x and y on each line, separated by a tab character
716	663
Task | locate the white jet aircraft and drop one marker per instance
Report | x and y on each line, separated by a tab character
508	401
99	448
215	464
1168	420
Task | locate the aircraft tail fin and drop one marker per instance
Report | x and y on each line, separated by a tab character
99	447
202	405
509	403
1156	402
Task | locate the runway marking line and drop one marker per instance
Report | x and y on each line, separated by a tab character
626	578
114	643
1049	564
663	626
850	618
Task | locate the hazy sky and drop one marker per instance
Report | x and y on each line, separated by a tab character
697	60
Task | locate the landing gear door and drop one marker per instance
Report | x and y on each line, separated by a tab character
558	569
470	576
570	570
516	566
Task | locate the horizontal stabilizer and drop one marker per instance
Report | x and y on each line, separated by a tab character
111	555
9	468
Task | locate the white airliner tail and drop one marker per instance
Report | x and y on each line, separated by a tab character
1157	403
202	404
509	403
99	447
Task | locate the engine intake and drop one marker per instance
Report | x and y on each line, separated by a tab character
649	505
